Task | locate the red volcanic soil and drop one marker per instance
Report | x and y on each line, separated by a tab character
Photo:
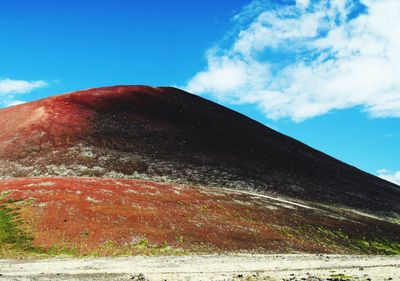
116	216
23	127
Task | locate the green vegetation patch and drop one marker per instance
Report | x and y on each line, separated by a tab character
396	220
142	247
341	277
339	241
379	245
14	240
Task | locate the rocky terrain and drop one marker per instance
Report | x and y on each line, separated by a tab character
131	170
210	267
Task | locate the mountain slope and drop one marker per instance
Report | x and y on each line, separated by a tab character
141	170
165	134
97	216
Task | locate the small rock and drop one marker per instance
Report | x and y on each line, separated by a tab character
139	277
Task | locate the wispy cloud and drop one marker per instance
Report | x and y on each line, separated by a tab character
392	176
14	102
10	89
306	59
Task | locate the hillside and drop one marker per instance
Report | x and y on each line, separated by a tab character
163	165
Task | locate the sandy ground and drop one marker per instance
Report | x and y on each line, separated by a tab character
213	267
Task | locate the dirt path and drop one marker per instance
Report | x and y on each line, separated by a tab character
214	267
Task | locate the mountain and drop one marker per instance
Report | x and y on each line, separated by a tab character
168	134
143	136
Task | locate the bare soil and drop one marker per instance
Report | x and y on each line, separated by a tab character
210	267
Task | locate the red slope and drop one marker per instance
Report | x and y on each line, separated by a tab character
60	120
109	216
39	125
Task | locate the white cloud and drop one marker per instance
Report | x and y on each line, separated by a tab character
302	3
391	176
300	61
14	102
8	86
9	89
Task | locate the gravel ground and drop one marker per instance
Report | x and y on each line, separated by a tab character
212	267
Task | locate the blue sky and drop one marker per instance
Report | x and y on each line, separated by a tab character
324	72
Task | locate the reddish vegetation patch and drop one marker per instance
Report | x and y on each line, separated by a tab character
41	125
88	213
112	97
60	120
